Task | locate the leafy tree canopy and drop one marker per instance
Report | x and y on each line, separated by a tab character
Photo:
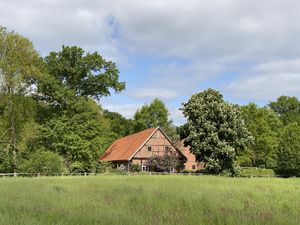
153	115
20	65
288	162
264	126
288	109
72	72
216	131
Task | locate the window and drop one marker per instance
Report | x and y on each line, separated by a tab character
193	167
167	148
149	148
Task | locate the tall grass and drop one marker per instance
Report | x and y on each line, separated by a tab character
139	200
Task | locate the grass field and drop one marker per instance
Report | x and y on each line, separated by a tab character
145	199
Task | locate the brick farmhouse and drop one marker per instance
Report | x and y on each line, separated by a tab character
139	147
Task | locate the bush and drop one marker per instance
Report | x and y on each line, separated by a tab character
104	167
135	168
256	172
44	162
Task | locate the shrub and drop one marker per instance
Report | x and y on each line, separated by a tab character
135	168
44	162
104	167
256	172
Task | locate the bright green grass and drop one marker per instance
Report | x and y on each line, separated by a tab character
145	199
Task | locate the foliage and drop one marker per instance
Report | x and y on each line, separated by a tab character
45	163
80	138
264	126
135	168
288	109
86	75
216	131
257	172
20	65
155	114
118	124
104	167
288	161
164	163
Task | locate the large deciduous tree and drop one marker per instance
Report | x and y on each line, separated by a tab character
288	109
156	114
288	161
153	115
73	125
265	127
216	131
72	72
20	66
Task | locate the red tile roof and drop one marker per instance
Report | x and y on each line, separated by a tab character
124	148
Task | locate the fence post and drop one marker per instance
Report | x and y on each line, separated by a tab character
15	174
85	174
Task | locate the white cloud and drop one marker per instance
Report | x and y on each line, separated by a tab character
214	37
268	81
152	93
177	116
127	110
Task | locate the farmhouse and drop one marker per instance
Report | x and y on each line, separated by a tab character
139	147
191	163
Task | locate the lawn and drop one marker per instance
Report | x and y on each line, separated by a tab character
144	199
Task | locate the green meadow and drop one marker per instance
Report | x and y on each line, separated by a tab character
144	199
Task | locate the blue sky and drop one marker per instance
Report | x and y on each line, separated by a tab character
249	50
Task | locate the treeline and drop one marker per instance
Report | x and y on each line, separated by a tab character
50	117
226	136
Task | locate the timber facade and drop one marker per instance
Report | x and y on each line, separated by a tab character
139	147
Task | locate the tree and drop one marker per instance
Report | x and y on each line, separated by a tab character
264	126
118	124
155	114
80	138
288	109
45	163
288	161
73	124
216	131
72	72
20	65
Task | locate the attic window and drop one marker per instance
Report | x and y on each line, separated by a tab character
149	148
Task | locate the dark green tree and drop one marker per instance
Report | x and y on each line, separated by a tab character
155	114
72	72
264	126
288	109
45	163
119	124
216	131
288	161
80	137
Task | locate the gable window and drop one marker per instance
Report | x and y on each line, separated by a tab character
193	167
149	148
167	148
